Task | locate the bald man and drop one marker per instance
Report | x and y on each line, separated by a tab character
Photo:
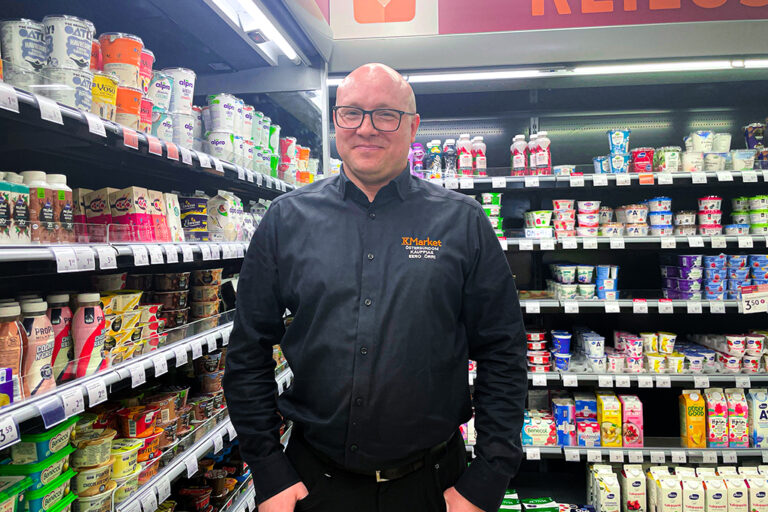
394	283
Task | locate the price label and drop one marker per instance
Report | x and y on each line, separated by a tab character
657	457
540	379
49	110
590	243
639	306
259	178
571	306
570	243
191	464
663	381
161	365
187	254
240	249
743	382
695	241
668	242
466	183
504	243
754	299
240	173
204	159
66	260
571	455
197	349
205	250
716	307
155	254
570	381
215	251
616	456
724	176
693	307
576	181
171	253
97	392
605	381
226	251
745	242
718	242
8	98
148	501
709	457
525	244
547	244
635	456
171	151
532	453
138	375
532	307
594	456
451	183
52	411
217	165
140	255
600	180
765	176
180	354
499	182
9	430
664	178
617	242
86	260
644	381
251	503
622	381
163	488
531	181
701	381
678	457
231	432
666	307
612	306
155	146
73	400
218	443
186	155
107	256
623	180
749	176
730	457
211	341
225	334
95	124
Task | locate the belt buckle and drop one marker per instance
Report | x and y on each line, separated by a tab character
379	479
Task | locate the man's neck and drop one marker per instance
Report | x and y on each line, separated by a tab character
369	189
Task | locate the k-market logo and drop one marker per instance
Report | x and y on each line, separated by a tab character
421	248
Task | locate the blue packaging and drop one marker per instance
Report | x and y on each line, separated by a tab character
602	166
717	261
619	163
562	361
760	281
758	260
607	272
737	261
715	286
735	284
606	285
714	296
715	274
561	342
734	295
564	411
738	273
585	405
619	140
759	273
588	433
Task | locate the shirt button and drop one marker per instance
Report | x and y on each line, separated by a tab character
358	401
370	255
364	351
372	215
368	302
353	448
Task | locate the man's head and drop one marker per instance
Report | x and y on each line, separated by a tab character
371	155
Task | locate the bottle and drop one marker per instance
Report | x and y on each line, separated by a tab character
63	212
434	159
478	156
543	155
37	352
449	157
418	158
19	201
60	316
533	148
40	207
519	153
464	150
11	343
88	335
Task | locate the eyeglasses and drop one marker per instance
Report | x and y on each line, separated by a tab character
382	119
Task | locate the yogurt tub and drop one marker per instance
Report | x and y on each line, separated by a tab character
710	203
23	43
538	368
675	363
669	271
738	273
633	364
660	204
45	498
561	340
750	364
642	159
538	357
709	261
564	170
91	481
693	161
636	214
150	468
685	230
615	363
568	291
710	230
101	502
493	210
601	165
662	230
540	218
75	87
93	448
183	89
758	216
162	126
619	163
650	341
151	445
588	220
758	202
715	275
634	230
667	342
606	215
183	129
562	362
714	162
656	363
741	217
612	229
597	363
125	453
565	225
690	273
689	285
126	486
714	286
491	198
619	140
536	336
38	447
138	421
743	159
721	142
588	206
707	217
565	215
755	344
660	218
740	204
41	473
685	218
563	204
587	231
758	229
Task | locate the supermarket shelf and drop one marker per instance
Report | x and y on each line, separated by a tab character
645	242
646	380
533	306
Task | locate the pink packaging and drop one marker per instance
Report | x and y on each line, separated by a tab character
632	420
588	433
129	207
738	427
97	209
157	216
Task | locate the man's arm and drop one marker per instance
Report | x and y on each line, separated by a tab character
249	378
491	314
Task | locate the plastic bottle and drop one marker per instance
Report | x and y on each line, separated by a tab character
519	155
60	315
11	343
449	158
88	335
543	155
464	150
19	201
479	162
434	159
41	198
63	212
533	150
38	341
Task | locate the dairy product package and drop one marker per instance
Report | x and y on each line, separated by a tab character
608	493
540	505
652	477
693	425
633	494
539	431
705	472
757	401
758	494
588	433
78	204
725	471
129	207
609	418
173	217
19	212
685	472
669	495
737	493
717	418
563	409
194	212
586	405
693	495
738	429
632	420
222	217
510	501
715	494
158	216
748	471
97	207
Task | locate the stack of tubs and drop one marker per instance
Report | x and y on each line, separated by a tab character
206	293
170	291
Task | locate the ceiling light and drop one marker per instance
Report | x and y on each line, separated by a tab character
653	67
756	63
334	82
472	76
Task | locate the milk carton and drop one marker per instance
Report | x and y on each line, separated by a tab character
173	217
609	418
758	494
593	473
158	216
763	470
608	494
563	409
757	401
129	207
586	406
738	494
748	471
539	431
685	472
738	426
717	418
669	495
588	433
693	424
726	471
97	208
652	477
716	495
705	472
633	494
632	421
693	495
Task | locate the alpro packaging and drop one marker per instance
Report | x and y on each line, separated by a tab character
222	217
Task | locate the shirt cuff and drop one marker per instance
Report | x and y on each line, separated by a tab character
483	486
272	475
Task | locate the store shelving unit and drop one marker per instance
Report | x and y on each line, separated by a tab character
618	243
629	306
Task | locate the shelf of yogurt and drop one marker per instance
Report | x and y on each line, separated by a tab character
643	380
543	302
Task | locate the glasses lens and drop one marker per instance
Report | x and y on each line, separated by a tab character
386	120
348	117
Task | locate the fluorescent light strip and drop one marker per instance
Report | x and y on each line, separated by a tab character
756	63
653	67
466	77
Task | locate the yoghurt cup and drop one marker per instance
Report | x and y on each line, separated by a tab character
743	159
615	363
491	210
538	368
669	271
565	233
755	343
619	140
125	453
495	223
736	343
562	362
561	341
563	204
656	363
685	230
707	217
601	164
567	274
642	159
689	295
690	273
597	364
667	342
758	216
650	341
660	218
710	203
715	275
634	230
587	231
737	284
740	204
714	162
568	214
636	214
722	142
693	161
539	218
567	225
538	357
669	294
714	286
568	291
584	273
586	291
715	261
595	346
612	229
606	215
738	273
750	364
690	260
758	202
662	230
759	273
758	229
740	217
564	170
695	363
536	335
736	229
675	363
660	204
589	220
710	229
688	142
619	163
689	285
634	364
633	346
670	283
685	218
588	206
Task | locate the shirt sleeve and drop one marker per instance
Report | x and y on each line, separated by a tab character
249	377
493	319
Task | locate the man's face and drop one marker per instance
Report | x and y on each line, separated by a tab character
372	155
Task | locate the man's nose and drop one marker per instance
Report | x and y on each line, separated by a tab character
367	127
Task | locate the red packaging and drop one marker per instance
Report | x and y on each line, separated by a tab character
96	61
642	160
157	216
129	207
145	115
146	61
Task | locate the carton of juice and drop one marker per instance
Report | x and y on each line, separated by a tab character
158	216
588	433
129	207
717	418
669	495
632	420
586	406
757	401
563	409
738	425
633	495
758	494
716	495
738	494
693	425
693	495
609	418
97	209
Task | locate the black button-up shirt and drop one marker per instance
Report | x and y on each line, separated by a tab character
390	299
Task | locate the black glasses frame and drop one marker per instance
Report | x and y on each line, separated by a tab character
370	114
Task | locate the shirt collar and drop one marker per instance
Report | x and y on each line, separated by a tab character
401	183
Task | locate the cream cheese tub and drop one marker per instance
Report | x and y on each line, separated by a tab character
38	447
92	481
101	502
23	43
75	87
125	452
44	499
11	489
41	473
93	447
69	42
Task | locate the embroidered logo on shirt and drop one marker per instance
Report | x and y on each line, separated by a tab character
421	248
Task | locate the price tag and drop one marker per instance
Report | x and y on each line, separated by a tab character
451	183
217	165
765	456
622	381
616	456
570	381
698	177
709	457
590	243
187	254
73	400
600	180
155	254
754	299
668	242
745	242
678	457
594	456
695	241
657	457
570	243
240	250
571	306
701	381
231	432
259	178
171	151
743	382
576	181
107	256
95	124
186	155
52	411
531	181
204	159
466	183
532	453
225	334
765	176
161	365
9	430
718	242
163	488
148	501
663	381
211	341
666	307
612	306
572	455
635	456
605	381
664	178
251	503
716	307
138	375
66	260
97	392
226	251
205	250
724	176
240	173
171	253
532	307
525	244
504	243
617	242
155	146
547	244
749	176
191	464
49	110
197	348
639	306
693	307
540	379
623	180
644	381
180	354
140	255
499	182
215	251
8	98
85	257
218	443
730	457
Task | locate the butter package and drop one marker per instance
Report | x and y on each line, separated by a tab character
588	433
173	217
693	426
609	418
693	495
633	494
158	216
715	494
717	418
669	495
757	401
129	207
758	494
510	501
78	205
97	206
586	405
539	431
738	424
632	421
738	494
563	409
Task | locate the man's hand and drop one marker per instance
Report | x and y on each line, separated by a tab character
285	501
455	502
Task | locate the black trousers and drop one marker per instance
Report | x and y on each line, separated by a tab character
332	489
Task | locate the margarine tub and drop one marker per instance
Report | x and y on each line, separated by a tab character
38	447
42	473
125	452
64	504
93	448
92	481
42	500
11	488
126	486
101	502
85	422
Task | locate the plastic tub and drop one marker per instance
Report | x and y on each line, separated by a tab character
170	300
138	421
606	215
38	447
634	230
168	436
567	215
695	363
41	473
740	204
636	214
714	262
612	229
660	204
151	445
166	403
657	363
690	272
148	470
588	219
736	229
205	309
707	217
710	203
538	357
45	498
675	363
93	448
207	277
685	218
710	230
758	202
11	490
210	382
537	345
588	206
562	362
126	486
685	230
125	452
667	342
92	481
667	230
171	282
758	229
758	216
563	204
660	218
536	335
101	502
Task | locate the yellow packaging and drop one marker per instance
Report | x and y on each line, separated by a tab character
104	93
120	302
693	419
125	452
609	418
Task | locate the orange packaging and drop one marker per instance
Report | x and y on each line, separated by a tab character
128	100
693	424
120	57
138	421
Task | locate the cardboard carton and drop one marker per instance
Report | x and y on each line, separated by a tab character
716	495
173	217
129	207
564	411
748	471
669	495
633	494
510	501
609	418
727	471
158	216
685	472
738	494
97	208
693	495
693	423
78	205
738	423
758	494
652	477
717	418
757	401
586	405
539	431
608	494
588	433
632	420
703	472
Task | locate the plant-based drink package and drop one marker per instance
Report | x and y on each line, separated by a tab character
609	418
129	207
38	341
222	217
632	420
11	341
717	418
633	494
693	495
757	401
758	494
97	209
738	494
158	216
88	326
716	495
173	217
608	493
738	425
693	423
669	495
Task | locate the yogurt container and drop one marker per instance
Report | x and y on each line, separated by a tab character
693	161
606	215
589	220
721	143
702	140
540	218
612	229
562	362
635	214
758	216
125	453
663	230
660	218
619	163
667	159
743	159
160	88
69	41
634	230
660	204
685	230
615	363
587	231
740	204
94	480
588	206
11	490
758	229
104	95
708	217
101	502
162	126
685	218
619	141
38	447
183	129
93	447
758	202
563	204
126	486
642	159
121	54
183	89
73	87
675	363
601	165
222	111
710	203
24	48
565	215
714	162
710	229
42	500
740	217
656	363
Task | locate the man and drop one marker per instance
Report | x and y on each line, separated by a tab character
394	283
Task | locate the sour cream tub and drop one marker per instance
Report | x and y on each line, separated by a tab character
104	95
222	109
183	129
183	89
75	90
160	89
121	54
23	44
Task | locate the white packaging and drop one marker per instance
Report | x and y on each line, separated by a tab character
68	40
748	471
703	472
608	494
633	494
669	495
197	119
183	129
173	216
221	113
160	90
240	118
716	495
758	417
685	472
763	469
183	89
23	43
222	217
758	494
693	495
70	87
738	494
652	478
725	471
221	145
